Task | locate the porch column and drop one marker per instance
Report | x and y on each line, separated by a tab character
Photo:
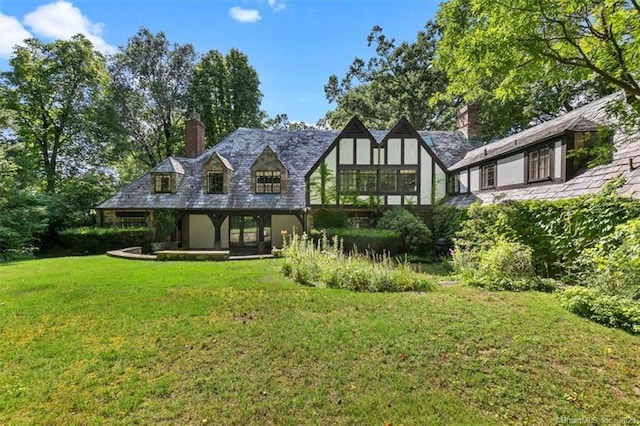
260	221
217	219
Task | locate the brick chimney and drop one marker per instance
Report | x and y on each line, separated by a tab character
468	121
194	137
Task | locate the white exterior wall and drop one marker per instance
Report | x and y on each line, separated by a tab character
201	232
280	223
381	157
475	178
394	200
346	151
331	162
363	151
463	180
557	161
426	177
441	183
511	170
394	149
411	151
314	193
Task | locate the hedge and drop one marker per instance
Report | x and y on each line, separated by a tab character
87	240
375	240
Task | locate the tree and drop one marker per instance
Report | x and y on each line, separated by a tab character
397	81
281	122
22	214
52	91
149	89
225	91
508	48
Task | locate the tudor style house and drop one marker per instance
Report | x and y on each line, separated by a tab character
243	192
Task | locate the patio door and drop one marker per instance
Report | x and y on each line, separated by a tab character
243	232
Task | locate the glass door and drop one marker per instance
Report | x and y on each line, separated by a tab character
243	231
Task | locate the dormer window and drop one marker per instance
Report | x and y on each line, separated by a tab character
162	183
215	182
268	181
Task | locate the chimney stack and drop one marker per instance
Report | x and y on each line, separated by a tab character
194	137
468	121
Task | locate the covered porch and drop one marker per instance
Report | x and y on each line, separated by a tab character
242	232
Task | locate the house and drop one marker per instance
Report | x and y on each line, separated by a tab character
243	192
537	163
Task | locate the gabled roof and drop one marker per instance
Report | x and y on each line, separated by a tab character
297	150
580	119
275	154
225	163
170	165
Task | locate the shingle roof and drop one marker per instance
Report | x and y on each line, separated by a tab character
297	150
585	118
170	165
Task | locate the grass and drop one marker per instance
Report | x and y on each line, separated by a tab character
98	340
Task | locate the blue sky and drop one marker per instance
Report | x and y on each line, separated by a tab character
295	45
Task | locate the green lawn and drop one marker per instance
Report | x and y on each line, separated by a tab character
100	340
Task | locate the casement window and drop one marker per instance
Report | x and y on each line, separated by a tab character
215	181
348	181
388	182
367	180
454	184
132	219
268	181
408	181
488	176
162	183
398	180
540	164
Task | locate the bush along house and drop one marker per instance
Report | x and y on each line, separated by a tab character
242	193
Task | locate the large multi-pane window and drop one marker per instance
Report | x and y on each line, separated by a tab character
132	219
408	181
540	164
388	181
398	180
162	183
348	181
488	176
215	182
268	182
367	180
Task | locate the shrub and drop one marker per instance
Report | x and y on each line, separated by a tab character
612	311
505	266
321	263
329	218
371	240
447	220
417	237
17	254
556	231
613	264
86	241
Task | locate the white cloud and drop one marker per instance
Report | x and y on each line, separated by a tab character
277	7
11	33
244	15
62	20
